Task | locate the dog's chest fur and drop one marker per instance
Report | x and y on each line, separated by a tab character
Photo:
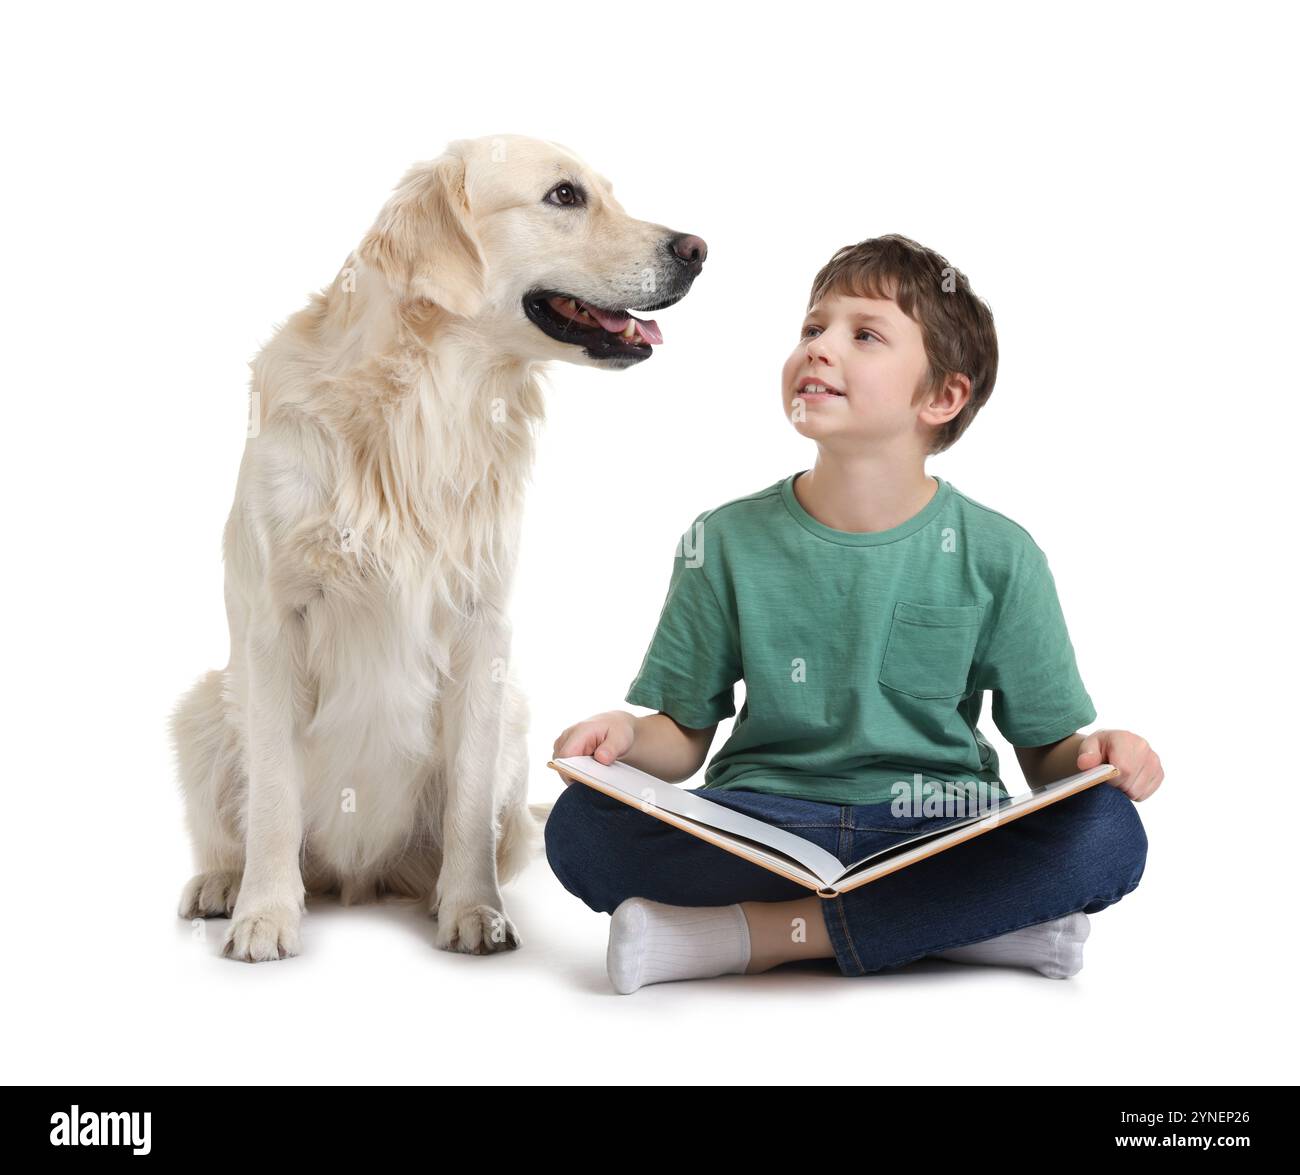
414	556
402	506
374	661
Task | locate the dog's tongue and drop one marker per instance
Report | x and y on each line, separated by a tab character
616	324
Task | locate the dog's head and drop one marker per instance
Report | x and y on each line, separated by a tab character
522	237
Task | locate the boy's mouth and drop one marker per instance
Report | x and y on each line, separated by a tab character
812	387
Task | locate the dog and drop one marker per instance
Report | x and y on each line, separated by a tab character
366	737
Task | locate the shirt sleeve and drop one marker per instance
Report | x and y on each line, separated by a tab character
1029	664
692	664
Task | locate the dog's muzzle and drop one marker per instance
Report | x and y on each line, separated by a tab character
602	332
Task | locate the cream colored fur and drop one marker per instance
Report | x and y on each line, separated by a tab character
366	736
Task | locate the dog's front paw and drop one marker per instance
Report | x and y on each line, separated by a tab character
474	929
263	932
210	895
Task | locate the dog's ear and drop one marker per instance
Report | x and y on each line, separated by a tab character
423	240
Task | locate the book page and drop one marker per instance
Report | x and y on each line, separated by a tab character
646	789
1030	800
749	849
961	829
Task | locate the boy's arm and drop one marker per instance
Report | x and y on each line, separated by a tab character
1140	770
662	747
1054	761
690	666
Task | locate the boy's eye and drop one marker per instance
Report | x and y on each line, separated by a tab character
862	331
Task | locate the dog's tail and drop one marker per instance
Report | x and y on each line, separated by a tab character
522	839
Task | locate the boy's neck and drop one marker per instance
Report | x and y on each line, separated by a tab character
863	495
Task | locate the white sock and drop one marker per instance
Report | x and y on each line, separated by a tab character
650	942
1053	948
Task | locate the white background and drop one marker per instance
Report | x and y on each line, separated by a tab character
1116	183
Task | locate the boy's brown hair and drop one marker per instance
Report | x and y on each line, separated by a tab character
957	326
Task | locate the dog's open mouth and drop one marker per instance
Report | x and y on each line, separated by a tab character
603	333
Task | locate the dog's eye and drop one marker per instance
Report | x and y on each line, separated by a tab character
565	195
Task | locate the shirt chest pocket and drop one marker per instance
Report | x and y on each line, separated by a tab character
929	649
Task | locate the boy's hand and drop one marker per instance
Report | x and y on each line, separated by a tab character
1140	772
605	737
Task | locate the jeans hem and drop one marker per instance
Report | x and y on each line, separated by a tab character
846	955
837	928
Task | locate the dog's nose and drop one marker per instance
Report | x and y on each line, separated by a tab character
691	250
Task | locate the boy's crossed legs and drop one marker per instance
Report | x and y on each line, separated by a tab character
684	909
651	942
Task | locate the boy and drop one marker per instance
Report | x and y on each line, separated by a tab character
870	606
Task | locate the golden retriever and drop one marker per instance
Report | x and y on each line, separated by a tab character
366	737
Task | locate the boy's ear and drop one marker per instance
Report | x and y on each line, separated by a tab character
423	240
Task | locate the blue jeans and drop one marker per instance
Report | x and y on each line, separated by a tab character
1082	853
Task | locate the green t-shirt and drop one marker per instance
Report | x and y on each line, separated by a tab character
865	657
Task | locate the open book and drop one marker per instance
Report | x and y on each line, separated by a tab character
791	856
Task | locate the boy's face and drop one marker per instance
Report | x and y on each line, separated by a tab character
867	349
